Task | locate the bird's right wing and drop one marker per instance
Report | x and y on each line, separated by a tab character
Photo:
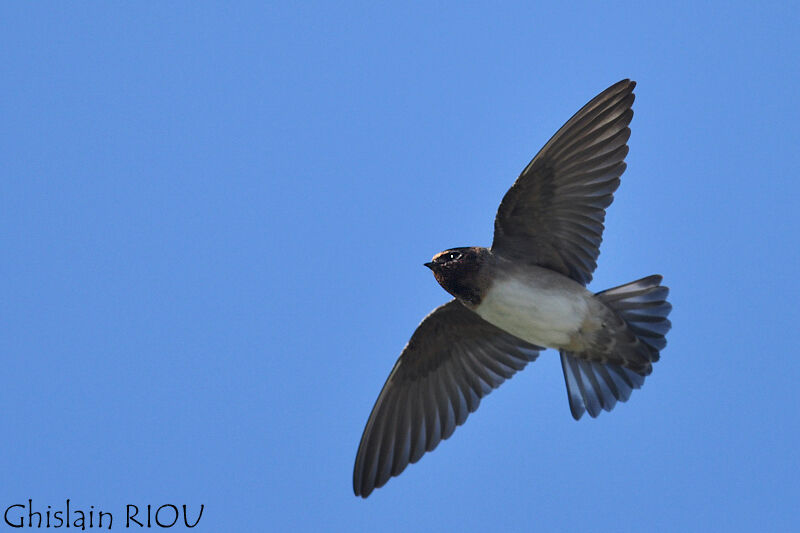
453	359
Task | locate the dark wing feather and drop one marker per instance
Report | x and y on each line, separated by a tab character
454	359
553	214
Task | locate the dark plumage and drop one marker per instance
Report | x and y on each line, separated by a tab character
460	272
523	294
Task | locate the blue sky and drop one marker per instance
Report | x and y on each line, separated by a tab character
213	219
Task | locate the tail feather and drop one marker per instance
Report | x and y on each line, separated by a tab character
593	385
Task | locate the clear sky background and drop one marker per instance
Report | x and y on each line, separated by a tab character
213	219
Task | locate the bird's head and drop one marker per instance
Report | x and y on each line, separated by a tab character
457	271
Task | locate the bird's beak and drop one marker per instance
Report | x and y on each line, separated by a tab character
430	265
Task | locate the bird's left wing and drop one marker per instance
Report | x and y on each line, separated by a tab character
453	359
553	214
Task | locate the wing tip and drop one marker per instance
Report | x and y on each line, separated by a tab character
626	83
576	410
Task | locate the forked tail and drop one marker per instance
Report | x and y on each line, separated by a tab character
594	386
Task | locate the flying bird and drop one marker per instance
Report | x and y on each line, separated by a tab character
524	294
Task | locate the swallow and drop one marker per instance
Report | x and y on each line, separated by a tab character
524	294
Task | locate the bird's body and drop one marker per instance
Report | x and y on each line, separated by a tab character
538	306
533	303
523	294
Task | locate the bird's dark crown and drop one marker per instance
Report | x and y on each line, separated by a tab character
458	271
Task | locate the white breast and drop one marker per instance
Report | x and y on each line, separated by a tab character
537	312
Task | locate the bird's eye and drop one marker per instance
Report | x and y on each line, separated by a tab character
452	256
